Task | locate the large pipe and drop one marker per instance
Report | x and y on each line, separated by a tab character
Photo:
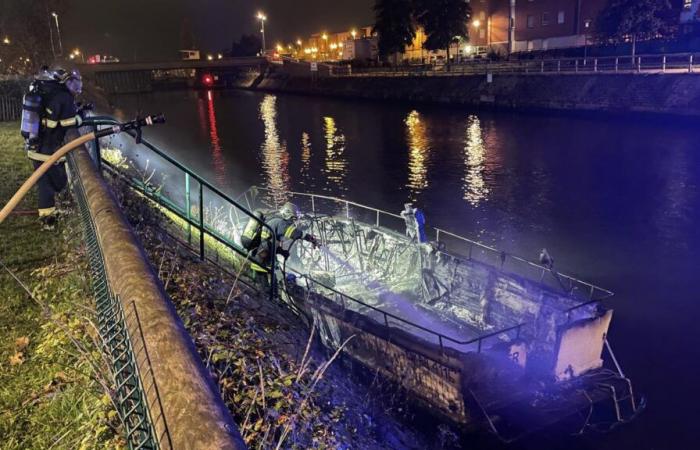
196	416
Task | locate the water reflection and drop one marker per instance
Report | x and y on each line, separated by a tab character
275	158
336	163
418	153
474	187
306	178
217	154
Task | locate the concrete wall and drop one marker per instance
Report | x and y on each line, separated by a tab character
674	94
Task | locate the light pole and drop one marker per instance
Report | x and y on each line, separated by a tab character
262	17
58	30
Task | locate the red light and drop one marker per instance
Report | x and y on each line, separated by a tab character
208	80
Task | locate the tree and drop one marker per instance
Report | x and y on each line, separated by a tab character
634	20
247	45
444	22
394	25
26	24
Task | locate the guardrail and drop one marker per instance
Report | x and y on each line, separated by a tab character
472	250
441	338
671	63
195	221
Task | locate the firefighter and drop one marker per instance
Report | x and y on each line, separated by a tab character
415	223
283	225
60	113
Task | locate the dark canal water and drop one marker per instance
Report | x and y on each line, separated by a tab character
616	201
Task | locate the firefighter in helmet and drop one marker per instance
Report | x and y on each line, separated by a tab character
283	225
60	113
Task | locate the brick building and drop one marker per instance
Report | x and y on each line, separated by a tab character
538	24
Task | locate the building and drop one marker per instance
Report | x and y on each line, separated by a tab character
358	43
537	24
690	17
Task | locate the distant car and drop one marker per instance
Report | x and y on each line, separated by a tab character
102	59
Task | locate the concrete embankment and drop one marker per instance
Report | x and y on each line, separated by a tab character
673	94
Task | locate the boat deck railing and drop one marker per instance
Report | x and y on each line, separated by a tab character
583	291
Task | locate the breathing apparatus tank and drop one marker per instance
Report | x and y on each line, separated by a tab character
31	116
251	237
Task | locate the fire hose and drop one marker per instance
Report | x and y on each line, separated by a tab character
134	125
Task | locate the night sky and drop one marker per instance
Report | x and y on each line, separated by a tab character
152	29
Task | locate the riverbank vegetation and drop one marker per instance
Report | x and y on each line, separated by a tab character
54	385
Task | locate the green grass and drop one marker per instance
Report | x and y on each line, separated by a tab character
52	377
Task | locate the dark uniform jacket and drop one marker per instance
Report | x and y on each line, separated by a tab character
60	114
285	232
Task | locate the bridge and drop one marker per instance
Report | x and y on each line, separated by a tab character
127	78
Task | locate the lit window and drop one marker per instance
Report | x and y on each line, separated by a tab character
482	33
587	23
545	19
687	4
561	17
531	21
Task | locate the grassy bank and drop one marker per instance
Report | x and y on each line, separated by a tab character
54	387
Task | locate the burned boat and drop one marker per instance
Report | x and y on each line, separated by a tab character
478	336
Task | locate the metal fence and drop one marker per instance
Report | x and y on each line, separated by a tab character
10	108
663	64
204	211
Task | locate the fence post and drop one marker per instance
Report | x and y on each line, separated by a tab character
558	65
542	66
690	64
617	63
377	218
639	64
595	64
188	207
663	64
576	66
313	204
347	210
201	221
98	152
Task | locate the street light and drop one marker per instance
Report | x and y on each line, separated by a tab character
58	29
262	18
6	40
353	33
77	53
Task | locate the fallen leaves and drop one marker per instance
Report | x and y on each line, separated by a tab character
21	343
17	359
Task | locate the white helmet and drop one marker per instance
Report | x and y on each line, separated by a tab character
289	211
